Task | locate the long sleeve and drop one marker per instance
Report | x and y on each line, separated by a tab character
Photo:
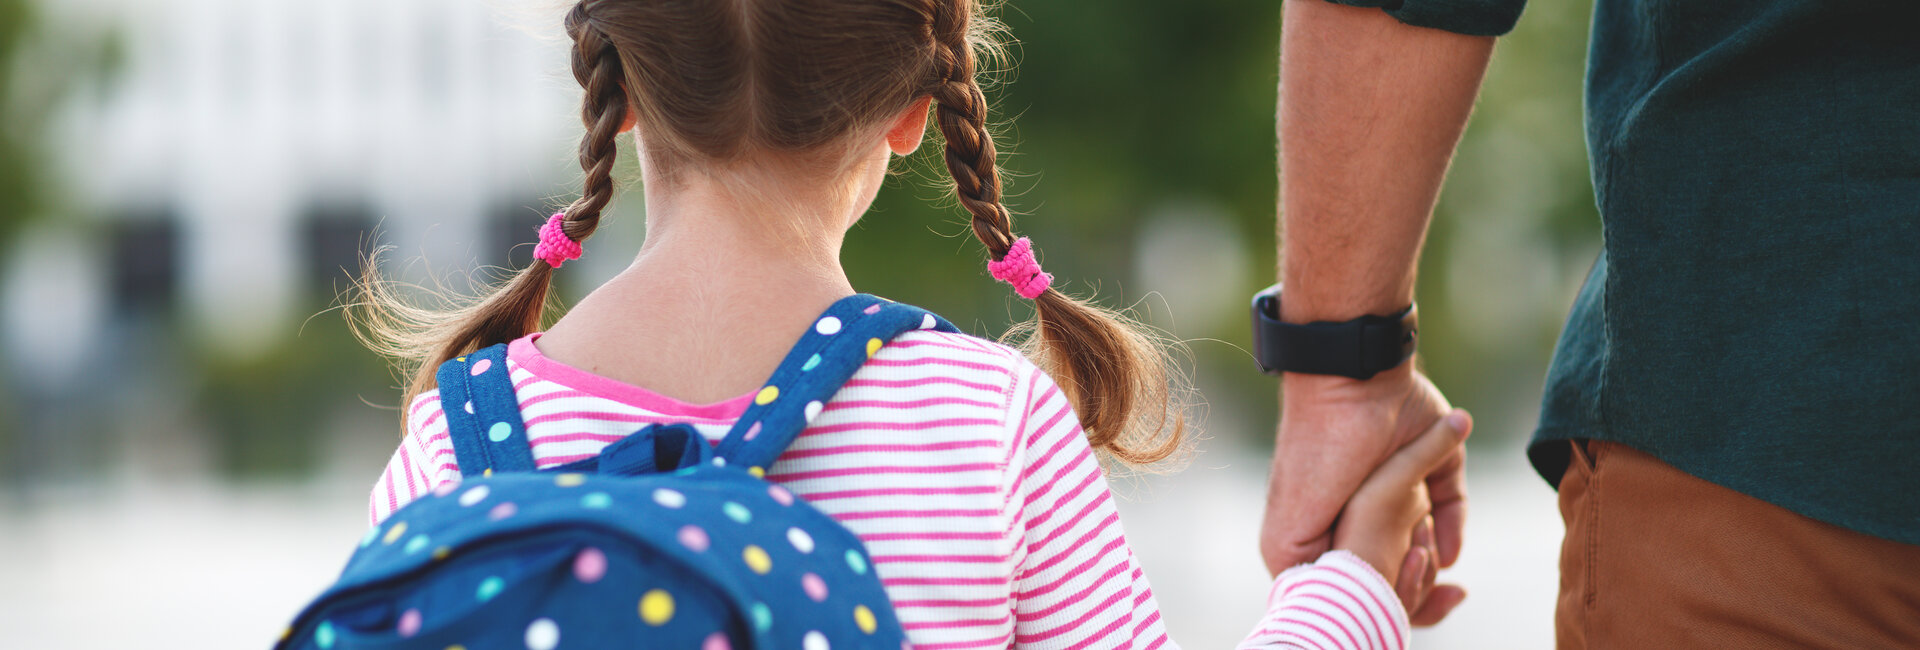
1337	602
423	461
1077	584
1469	17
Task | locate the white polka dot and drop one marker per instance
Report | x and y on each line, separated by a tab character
927	322
544	634
815	641
800	539
473	496
813	409
469	407
719	462
669	498
828	326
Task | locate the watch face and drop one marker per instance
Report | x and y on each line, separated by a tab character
1266	320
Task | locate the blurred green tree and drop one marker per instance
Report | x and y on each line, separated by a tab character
1111	111
20	181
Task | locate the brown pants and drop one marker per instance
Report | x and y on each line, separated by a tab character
1656	558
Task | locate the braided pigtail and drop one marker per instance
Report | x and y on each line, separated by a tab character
418	338
1118	375
596	65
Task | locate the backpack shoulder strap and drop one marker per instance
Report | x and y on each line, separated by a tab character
839	342
483	416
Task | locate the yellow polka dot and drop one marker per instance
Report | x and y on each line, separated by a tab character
394	533
285	634
757	559
873	345
863	617
569	479
460	359
767	395
456	647
488	472
656	607
757	472
442	553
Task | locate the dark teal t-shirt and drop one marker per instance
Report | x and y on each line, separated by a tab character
1754	319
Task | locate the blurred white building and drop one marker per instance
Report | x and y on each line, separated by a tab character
242	151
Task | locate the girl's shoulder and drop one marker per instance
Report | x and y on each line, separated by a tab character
424	413
956	346
946	361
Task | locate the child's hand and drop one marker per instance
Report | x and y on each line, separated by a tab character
1388	522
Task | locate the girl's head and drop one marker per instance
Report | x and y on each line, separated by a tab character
732	88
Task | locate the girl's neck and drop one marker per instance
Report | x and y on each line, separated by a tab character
704	233
729	277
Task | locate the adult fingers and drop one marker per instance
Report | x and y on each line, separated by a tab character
1423	536
1417	571
1449	524
1447	487
1409	585
1281	552
1440	602
1309	486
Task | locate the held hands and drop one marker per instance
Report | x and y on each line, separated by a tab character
1392	503
1334	433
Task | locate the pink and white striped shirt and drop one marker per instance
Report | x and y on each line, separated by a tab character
963	469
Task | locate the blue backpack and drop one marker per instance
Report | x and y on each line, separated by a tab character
662	541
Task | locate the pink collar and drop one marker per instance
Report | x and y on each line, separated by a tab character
523	353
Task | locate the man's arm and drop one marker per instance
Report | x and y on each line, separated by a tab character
1370	111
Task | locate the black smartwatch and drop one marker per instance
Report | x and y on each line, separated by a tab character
1359	348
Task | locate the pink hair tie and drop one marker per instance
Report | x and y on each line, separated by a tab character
1019	269
555	246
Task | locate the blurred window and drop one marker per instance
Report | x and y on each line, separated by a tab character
146	264
335	237
514	228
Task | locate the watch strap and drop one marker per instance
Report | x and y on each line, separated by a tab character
1359	348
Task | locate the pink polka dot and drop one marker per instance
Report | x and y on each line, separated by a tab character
503	511
446	488
693	538
590	565
815	587
874	309
716	641
753	431
480	367
409	623
780	494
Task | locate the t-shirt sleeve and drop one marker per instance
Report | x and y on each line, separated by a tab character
1078	584
1470	17
1337	602
423	461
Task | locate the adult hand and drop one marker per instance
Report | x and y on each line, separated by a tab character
1334	432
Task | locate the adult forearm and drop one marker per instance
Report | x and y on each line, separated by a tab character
1370	111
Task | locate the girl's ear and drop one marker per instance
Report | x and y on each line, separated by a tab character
632	119
904	136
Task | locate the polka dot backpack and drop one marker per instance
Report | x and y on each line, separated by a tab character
661	541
